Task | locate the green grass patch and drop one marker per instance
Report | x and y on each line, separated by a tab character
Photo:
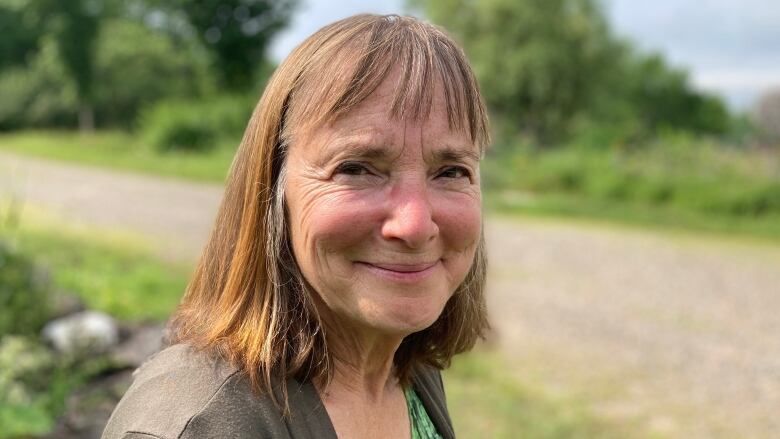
110	273
34	385
486	401
678	182
118	150
763	229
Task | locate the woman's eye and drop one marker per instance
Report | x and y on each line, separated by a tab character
455	172
352	168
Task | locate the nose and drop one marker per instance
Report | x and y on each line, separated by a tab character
410	215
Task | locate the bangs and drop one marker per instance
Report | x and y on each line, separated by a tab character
347	61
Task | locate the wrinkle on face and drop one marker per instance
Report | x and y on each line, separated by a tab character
401	210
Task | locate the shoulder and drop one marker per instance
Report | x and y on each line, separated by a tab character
430	388
429	378
180	393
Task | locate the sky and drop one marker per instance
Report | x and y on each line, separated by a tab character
731	48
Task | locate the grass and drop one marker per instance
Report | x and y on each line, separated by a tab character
765	229
486	401
34	414
118	275
677	182
109	272
121	151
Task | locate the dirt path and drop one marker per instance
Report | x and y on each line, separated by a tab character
679	335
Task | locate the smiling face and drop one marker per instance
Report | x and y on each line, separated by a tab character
385	215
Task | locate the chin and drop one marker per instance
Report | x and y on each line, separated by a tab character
409	316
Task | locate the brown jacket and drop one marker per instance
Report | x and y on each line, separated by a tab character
182	394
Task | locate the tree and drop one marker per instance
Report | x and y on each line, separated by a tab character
663	98
536	59
548	67
237	33
74	27
21	35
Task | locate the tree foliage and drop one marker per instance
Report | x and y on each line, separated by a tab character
21	34
237	33
134	67
100	61
74	25
535	59
545	66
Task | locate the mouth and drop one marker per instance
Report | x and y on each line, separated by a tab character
401	272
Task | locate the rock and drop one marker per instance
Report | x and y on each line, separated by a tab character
88	409
88	332
142	342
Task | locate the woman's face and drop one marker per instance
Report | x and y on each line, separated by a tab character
385	215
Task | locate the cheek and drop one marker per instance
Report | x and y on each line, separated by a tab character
327	222
460	227
460	222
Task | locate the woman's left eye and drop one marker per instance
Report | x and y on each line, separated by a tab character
454	172
352	168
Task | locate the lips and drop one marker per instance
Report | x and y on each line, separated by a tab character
404	268
405	273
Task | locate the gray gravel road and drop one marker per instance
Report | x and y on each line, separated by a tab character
676	334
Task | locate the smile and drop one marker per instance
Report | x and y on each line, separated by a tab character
401	272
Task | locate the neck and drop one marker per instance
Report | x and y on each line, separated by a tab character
362	362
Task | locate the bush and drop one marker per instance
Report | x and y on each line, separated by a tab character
194	125
24	294
677	171
26	369
177	126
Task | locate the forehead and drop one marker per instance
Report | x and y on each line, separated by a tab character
374	119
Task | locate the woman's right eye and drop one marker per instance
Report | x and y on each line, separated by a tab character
352	168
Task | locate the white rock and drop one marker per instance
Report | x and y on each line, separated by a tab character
89	331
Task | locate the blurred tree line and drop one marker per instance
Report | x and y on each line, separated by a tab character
100	62
553	69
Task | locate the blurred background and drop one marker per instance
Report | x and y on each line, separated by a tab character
632	199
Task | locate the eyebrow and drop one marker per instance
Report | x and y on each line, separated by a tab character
451	154
366	148
354	148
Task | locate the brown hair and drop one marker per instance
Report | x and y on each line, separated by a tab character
247	300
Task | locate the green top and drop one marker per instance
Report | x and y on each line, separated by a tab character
422	426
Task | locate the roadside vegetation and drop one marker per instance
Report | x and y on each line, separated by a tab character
677	181
122	151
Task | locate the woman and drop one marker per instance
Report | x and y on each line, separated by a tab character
346	266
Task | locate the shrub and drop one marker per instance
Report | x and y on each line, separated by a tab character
26	369
679	171
172	126
194	125
24	294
